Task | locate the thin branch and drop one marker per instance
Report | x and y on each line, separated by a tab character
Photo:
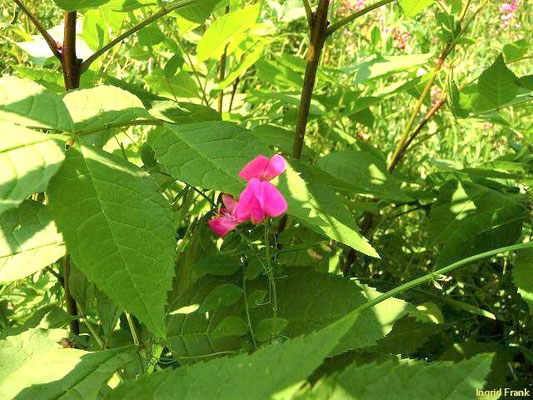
160	14
337	25
42	30
308	12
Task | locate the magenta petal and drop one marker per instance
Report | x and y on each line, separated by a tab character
275	167
249	207
255	168
272	201
222	225
229	202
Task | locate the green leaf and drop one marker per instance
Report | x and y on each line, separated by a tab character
99	107
220	32
469	219
269	328
199	11
408	379
381	66
271	372
363	172
29	104
497	85
246	63
29	241
230	326
301	302
33	366
118	229
523	276
210	155
71	5
222	295
218	265
413	7
516	50
28	160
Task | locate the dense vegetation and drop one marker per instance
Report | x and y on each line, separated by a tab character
276	199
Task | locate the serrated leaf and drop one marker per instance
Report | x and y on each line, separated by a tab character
497	85
28	160
220	32
29	241
118	229
27	103
469	219
210	155
412	7
34	366
523	276
102	106
274	371
408	379
363	172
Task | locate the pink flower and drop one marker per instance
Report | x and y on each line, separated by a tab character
259	200
263	168
225	222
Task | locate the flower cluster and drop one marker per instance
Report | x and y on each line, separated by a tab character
400	37
507	11
259	200
348	7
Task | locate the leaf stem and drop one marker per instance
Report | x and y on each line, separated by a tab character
69	300
160	14
50	41
337	25
428	277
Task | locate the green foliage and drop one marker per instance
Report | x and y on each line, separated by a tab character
28	160
414	120
118	228
29	241
410	380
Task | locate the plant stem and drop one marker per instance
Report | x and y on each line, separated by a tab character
247	310
318	36
270	272
428	277
448	48
69	60
222	73
50	41
308	12
69	300
160	14
133	330
337	25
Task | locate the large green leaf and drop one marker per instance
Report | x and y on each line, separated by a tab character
275	371
497	85
223	30
301	295
34	366
29	241
413	7
118	228
199	11
103	106
210	155
301	302
28	160
29	104
363	172
405	379
523	276
469	219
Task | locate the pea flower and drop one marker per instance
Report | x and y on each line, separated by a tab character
225	221
259	200
264	168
